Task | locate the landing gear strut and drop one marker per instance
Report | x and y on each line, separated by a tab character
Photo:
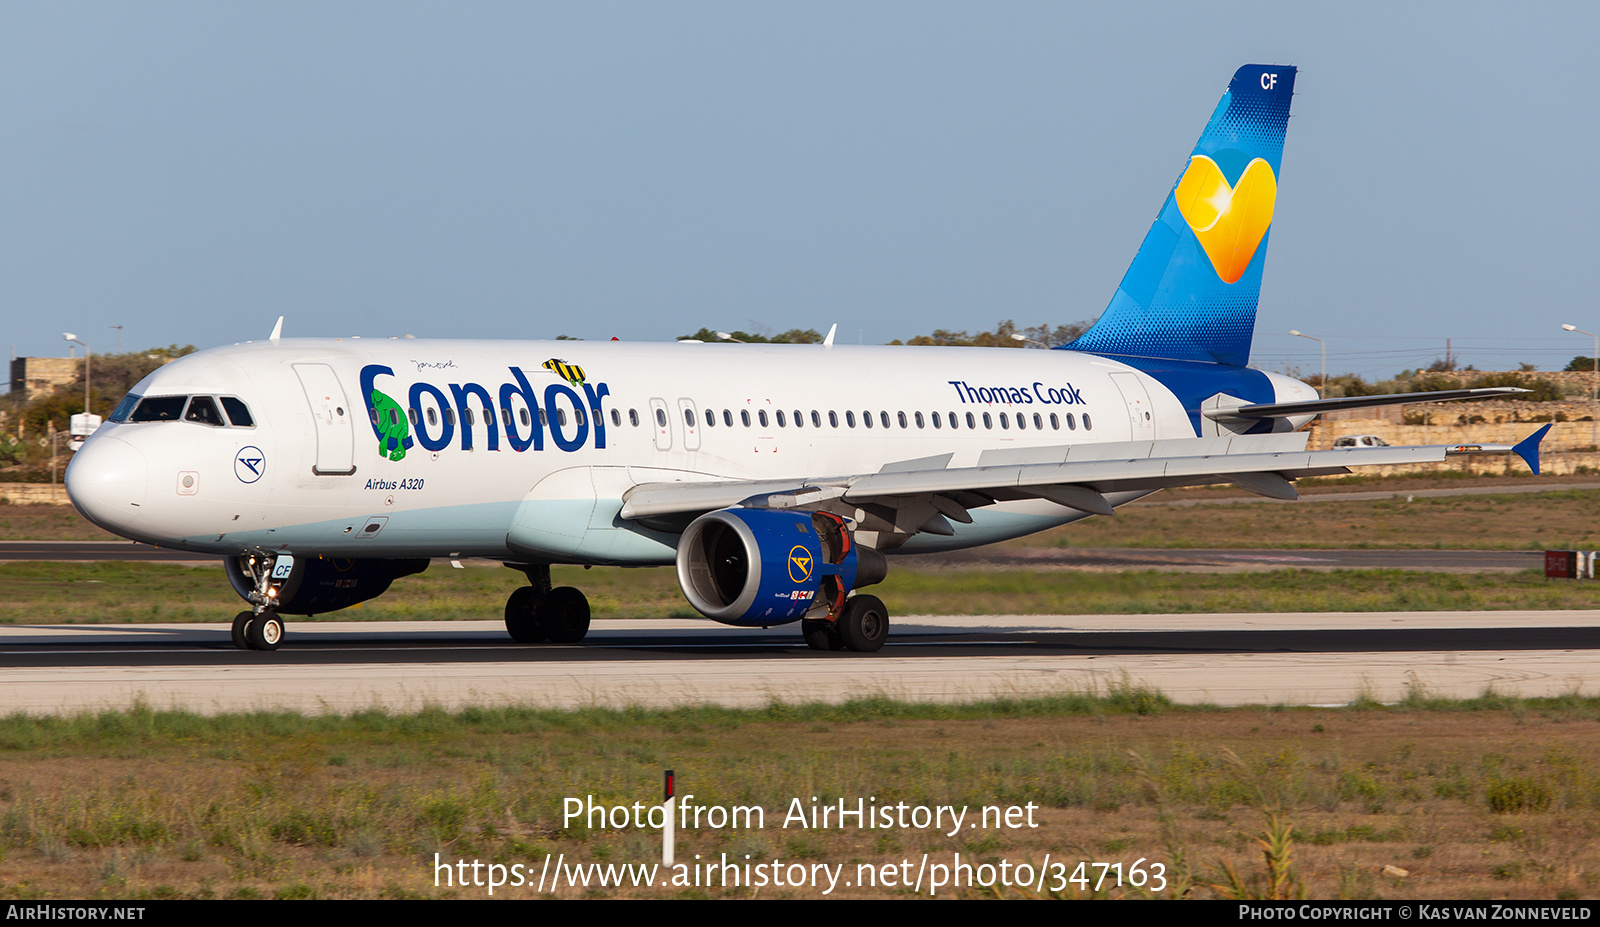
537	613
260	628
862	626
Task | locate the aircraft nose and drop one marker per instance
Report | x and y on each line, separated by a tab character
107	480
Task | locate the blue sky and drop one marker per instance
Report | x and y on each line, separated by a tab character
522	170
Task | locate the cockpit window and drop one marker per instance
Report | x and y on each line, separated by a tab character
125	408
203	409
238	412
159	409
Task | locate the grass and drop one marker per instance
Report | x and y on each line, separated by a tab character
61	593
1559	520
1495	796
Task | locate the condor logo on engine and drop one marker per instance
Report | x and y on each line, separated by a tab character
799	563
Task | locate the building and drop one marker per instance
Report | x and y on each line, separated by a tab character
39	376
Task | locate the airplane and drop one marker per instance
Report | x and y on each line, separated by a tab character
775	478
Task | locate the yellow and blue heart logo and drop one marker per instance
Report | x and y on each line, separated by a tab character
1230	220
799	563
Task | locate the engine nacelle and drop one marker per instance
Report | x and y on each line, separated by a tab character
318	585
771	566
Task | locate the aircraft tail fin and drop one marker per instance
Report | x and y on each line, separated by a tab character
1192	289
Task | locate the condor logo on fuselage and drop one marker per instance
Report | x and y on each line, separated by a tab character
472	408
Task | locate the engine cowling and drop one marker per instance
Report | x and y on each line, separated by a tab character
771	566
318	585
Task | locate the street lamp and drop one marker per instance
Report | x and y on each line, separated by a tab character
1323	384
1594	417
69	336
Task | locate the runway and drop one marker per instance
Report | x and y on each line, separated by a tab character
1296	658
1010	558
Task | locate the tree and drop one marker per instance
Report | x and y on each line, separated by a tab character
792	336
1001	337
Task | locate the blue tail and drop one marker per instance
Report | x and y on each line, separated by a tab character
1192	289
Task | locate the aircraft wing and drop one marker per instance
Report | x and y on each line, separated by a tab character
1312	406
1079	477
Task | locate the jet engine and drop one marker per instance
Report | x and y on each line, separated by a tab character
770	566
317	585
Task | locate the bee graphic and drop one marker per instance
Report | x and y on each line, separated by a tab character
572	373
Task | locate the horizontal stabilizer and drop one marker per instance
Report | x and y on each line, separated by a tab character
1528	448
1313	406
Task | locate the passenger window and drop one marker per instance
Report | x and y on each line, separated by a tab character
1004	421
727	418
936	420
238	412
688	417
1087	425
1072	422
744	415
711	418
884	418
633	417
919	419
816	419
159	409
833	419
433	418
1055	422
203	409
561	416
661	418
577	416
762	415
616	418
1038	422
799	419
449	416
780	419
866	419
850	419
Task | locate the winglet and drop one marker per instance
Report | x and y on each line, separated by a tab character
828	341
1528	448
277	331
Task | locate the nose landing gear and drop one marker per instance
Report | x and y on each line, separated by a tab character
261	628
257	632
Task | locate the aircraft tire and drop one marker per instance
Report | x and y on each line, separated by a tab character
241	628
522	616
864	625
564	615
821	634
265	632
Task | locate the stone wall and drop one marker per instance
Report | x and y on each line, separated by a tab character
33	494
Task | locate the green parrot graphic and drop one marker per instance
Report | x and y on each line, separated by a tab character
394	430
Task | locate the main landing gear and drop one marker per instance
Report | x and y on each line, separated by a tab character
537	613
862	626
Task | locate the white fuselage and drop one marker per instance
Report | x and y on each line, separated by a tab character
313	475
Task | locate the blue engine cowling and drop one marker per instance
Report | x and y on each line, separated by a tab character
771	566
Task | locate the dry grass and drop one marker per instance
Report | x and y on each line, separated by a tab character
1242	803
121	593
